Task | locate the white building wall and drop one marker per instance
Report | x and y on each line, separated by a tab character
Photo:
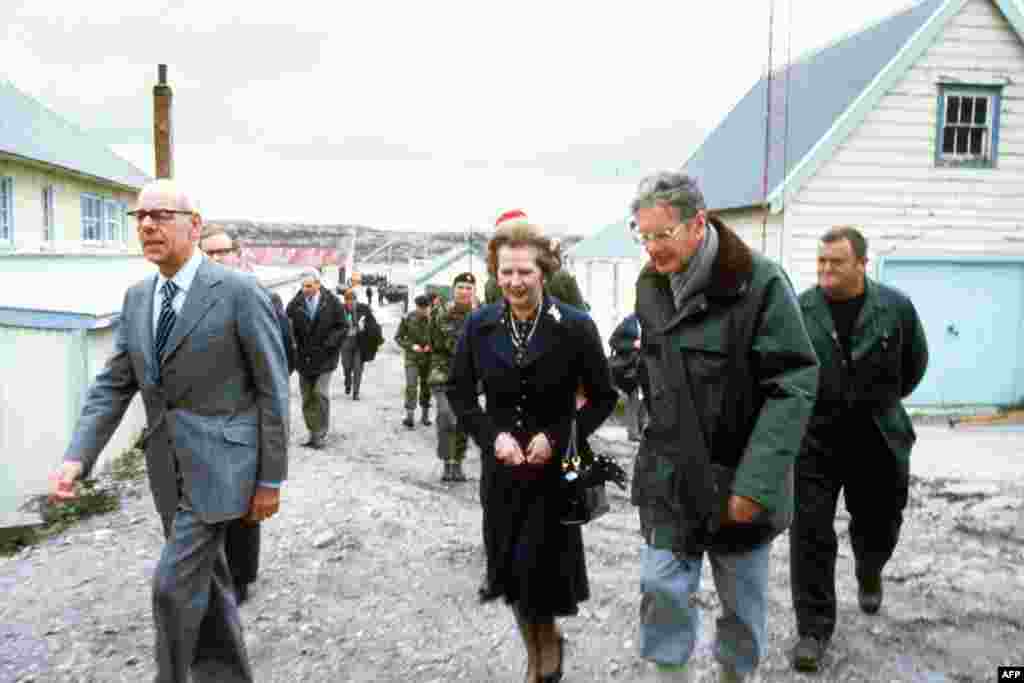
609	287
749	224
884	179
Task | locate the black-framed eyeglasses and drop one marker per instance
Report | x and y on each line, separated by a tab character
158	215
216	253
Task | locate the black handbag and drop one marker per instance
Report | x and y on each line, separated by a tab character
584	475
625	370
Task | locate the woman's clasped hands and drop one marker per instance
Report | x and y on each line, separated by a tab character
508	452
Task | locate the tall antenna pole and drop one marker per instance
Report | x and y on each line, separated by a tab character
767	129
785	134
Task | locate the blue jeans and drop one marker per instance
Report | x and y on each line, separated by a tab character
669	622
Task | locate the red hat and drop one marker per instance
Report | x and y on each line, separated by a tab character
512	216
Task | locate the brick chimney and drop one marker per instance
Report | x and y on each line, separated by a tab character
163	132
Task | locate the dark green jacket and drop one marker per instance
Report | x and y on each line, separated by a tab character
732	382
562	285
445	329
414	330
889	356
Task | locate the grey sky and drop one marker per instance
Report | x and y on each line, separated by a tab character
410	114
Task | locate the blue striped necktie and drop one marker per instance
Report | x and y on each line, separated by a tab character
166	320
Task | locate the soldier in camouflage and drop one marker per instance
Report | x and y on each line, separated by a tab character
414	337
445	329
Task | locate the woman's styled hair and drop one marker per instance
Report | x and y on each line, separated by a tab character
523	235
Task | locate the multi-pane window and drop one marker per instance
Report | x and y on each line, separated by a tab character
49	193
6	209
968	126
102	219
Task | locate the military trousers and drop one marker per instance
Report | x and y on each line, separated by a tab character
416	386
451	441
316	403
874	484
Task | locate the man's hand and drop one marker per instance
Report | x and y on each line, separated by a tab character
417	348
636	343
507	450
62	482
538	451
265	503
743	510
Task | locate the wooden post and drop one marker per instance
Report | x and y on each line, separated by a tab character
163	132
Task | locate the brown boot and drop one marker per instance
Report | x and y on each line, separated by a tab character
528	632
551	650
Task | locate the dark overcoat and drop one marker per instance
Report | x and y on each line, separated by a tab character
317	342
532	557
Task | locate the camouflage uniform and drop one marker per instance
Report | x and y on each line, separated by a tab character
561	285
415	329
445	329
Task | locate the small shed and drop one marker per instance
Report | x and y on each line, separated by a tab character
606	266
58	320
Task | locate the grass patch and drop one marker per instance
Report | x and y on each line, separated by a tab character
95	497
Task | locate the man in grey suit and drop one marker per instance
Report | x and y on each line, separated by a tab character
202	345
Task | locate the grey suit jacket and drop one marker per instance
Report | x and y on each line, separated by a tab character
220	411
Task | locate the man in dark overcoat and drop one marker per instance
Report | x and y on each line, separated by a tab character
319	326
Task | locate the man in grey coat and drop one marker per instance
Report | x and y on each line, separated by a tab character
201	343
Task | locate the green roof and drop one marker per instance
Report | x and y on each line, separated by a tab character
29	130
610	242
446	259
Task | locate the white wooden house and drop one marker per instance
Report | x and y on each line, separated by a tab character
912	130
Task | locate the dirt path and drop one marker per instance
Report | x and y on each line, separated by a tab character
370	574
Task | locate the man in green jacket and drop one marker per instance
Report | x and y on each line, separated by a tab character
445	329
873	354
732	377
414	337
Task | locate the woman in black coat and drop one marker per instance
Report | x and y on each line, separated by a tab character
530	352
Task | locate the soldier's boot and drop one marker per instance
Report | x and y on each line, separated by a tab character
410	419
425	418
447	476
457	473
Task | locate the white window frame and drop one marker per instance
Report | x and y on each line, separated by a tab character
988	150
113	221
92	218
49	208
6	209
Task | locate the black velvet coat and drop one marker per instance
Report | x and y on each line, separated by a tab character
532	558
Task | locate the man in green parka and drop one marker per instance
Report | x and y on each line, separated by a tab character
873	354
732	377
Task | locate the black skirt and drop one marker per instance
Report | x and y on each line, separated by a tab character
532	558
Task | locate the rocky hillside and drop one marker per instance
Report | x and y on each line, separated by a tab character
368	240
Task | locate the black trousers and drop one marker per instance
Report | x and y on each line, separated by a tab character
856	460
242	547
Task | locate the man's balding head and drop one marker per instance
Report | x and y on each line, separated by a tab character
167	224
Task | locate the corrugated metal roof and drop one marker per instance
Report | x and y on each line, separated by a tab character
610	242
30	130
729	165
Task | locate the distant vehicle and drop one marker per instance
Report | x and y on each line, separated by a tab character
395	293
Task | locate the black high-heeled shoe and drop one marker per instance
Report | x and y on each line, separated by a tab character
556	675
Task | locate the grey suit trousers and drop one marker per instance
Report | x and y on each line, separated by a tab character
198	628
316	403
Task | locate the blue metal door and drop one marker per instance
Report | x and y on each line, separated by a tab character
972	312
